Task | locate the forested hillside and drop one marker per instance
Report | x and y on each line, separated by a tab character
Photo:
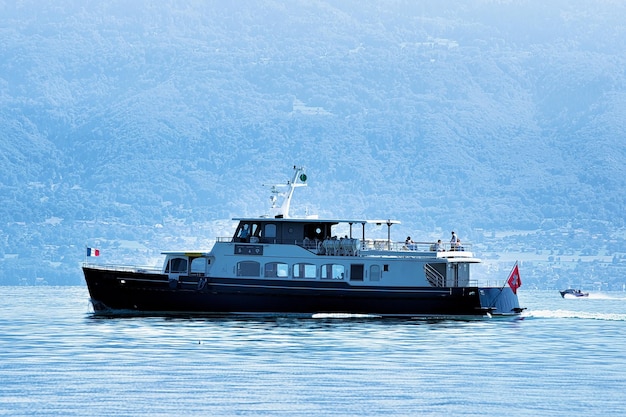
140	126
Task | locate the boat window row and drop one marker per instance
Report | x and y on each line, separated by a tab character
179	266
303	270
299	270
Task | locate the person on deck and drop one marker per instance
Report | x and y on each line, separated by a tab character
453	241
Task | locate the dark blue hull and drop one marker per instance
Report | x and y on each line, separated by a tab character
120	291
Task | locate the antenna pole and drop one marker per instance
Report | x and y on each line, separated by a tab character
282	210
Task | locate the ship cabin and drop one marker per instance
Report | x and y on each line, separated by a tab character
287	231
307	239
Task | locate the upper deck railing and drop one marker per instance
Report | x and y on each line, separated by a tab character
384	244
347	246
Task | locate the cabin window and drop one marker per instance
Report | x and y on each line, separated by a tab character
177	266
244	232
356	272
375	273
270	230
248	269
198	265
276	270
332	271
304	271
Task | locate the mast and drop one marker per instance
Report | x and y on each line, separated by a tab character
282	210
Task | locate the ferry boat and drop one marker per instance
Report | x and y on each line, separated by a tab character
282	265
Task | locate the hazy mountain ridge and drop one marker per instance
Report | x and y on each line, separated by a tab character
473	115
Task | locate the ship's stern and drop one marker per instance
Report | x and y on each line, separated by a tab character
500	301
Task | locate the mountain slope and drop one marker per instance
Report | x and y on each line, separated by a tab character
478	115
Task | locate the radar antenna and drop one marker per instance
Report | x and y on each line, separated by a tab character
282	193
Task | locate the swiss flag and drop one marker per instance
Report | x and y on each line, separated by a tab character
514	280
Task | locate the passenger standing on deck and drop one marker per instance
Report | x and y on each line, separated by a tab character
454	241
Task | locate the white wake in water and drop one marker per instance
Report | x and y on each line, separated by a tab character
344	316
602	296
569	314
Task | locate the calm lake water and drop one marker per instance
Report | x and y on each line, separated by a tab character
566	357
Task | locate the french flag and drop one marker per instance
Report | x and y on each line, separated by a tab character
93	252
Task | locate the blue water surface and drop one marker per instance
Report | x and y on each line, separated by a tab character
565	357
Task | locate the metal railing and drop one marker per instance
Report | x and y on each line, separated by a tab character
378	245
384	245
434	277
125	268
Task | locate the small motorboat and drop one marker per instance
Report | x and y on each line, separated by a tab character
574	293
